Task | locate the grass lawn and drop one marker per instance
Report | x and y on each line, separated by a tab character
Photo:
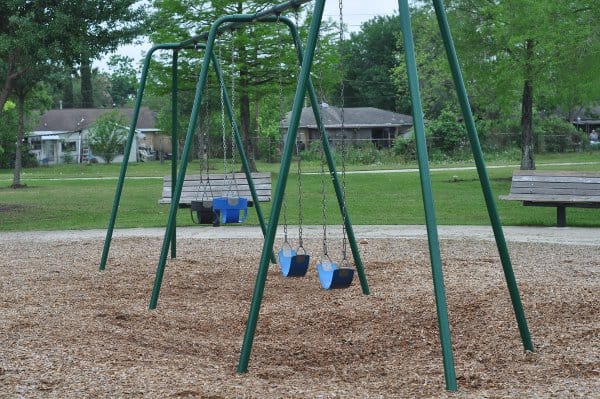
81	196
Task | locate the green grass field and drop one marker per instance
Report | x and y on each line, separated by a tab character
81	196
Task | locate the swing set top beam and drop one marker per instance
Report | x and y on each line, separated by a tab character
260	15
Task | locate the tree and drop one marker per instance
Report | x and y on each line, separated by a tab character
437	90
62	33
107	136
369	56
8	128
126	22
249	57
523	52
123	81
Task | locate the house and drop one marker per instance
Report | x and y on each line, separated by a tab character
586	119
60	136
360	125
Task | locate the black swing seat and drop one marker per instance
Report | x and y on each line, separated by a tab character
195	187
205	214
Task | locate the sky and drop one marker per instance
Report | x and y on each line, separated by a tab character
355	12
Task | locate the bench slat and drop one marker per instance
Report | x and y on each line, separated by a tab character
557	179
551	198
561	173
197	188
570	191
555	188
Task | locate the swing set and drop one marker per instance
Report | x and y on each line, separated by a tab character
294	262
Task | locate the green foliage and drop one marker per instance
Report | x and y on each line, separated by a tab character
107	135
436	86
35	37
496	135
406	147
123	80
8	135
269	140
447	134
557	135
365	154
528	54
369	56
257	59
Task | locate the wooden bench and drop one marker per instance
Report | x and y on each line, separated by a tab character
559	189
218	185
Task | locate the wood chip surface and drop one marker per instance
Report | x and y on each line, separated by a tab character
70	331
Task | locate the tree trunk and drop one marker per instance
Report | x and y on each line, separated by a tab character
256	128
87	96
20	136
68	98
6	89
527	155
9	81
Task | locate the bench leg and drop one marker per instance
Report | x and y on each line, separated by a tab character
561	216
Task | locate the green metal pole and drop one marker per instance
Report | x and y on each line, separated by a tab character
280	187
338	191
331	163
483	176
176	194
238	141
128	145
432	234
174	142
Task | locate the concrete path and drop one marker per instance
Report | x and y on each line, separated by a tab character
556	235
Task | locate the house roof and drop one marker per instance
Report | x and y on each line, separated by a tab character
360	117
77	119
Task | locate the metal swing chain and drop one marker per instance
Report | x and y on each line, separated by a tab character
300	219
233	123
203	148
280	84
324	203
344	149
223	129
300	240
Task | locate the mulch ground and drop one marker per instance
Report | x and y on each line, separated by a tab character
70	331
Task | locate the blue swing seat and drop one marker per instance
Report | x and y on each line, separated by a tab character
332	276
291	263
231	209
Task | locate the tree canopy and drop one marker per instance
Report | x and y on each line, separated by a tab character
527	54
34	34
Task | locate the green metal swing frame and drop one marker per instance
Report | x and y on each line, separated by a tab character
305	86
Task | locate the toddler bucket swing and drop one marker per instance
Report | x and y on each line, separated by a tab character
201	210
230	206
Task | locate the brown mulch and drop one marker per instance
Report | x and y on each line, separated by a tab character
70	331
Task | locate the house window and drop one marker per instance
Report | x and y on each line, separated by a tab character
36	144
69	146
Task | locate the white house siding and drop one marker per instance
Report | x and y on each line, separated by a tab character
54	148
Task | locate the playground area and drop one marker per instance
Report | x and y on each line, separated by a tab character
68	330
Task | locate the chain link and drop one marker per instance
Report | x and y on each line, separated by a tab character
233	93
300	217
223	129
342	117
300	240
281	110
324	202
